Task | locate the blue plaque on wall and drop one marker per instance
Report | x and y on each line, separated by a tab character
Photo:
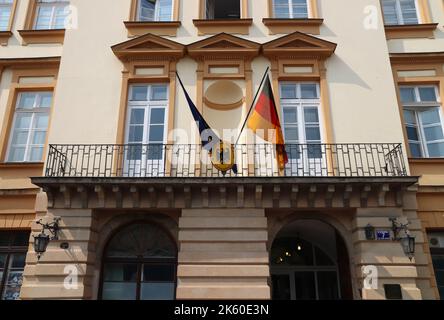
382	235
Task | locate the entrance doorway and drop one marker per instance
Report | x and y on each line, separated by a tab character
308	261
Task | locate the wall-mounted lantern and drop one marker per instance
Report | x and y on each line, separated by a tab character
369	232
41	241
401	233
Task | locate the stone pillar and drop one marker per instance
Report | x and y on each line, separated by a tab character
223	254
47	278
393	266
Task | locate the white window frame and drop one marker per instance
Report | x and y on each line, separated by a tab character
290	9
142	167
419	106
34	111
11	7
399	14
304	165
156	11
54	5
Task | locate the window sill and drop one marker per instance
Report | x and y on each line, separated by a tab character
286	26
158	28
42	36
4	37
235	26
427	160
410	31
22	165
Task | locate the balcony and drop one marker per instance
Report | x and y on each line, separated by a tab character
252	160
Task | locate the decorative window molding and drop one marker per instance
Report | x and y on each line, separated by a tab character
161	27
148	59
413	70
6	25
212	25
36	32
26	69
283	26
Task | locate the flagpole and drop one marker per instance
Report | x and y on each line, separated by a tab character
252	105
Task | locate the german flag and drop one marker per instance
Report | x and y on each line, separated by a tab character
264	121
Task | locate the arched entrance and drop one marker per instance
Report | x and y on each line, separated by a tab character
139	263
308	261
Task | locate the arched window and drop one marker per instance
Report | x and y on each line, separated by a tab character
140	263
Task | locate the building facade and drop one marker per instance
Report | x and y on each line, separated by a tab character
96	134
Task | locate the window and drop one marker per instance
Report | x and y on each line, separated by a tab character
30	125
5	14
146	129
290	9
222	9
51	14
423	120
140	264
13	248
155	10
300	114
399	12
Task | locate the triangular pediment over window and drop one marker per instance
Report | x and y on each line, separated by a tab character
299	45
223	45
149	46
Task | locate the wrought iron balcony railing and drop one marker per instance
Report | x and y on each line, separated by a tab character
255	160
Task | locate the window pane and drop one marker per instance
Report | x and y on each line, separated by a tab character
281	9
436	149
23	121
2	262
288	91
139	93
164	9
119	291
20	239
309	91
43	20
281	287
311	115
322	259
120	272
134	152
17	154
328	285
412	133
290	115
147	8
430	116
408	9
158	93
305	285
291	133
157	116
5	14
36	154
135	134
157	291
20	137
27	100
433	133
300	9
41	121
155	152
313	133
137	116
156	133
407	94
415	149
389	9
438	262
427	94
60	17
409	117
158	273
45	99
39	137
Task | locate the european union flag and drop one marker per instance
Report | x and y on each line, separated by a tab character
208	136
